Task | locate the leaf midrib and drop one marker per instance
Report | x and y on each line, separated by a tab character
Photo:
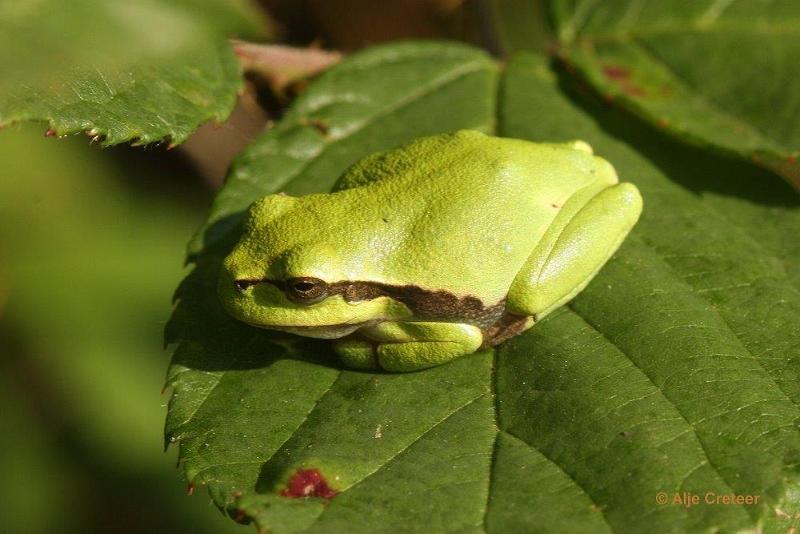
406	447
566	473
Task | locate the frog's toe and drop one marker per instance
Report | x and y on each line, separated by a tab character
583	146
417	355
357	353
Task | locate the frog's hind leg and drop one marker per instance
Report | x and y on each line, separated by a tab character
409	346
508	326
357	353
573	250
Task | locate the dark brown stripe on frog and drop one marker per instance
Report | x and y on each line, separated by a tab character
424	303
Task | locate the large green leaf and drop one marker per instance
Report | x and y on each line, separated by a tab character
716	73
142	70
675	371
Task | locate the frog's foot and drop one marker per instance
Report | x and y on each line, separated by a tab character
573	250
408	346
357	353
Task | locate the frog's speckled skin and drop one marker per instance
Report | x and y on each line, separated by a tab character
430	251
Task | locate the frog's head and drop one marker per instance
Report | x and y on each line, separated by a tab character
282	277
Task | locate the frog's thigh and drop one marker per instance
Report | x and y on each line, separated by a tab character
561	266
410	346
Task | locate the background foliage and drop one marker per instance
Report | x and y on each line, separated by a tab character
91	245
121	71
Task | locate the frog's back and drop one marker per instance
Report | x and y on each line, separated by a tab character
459	212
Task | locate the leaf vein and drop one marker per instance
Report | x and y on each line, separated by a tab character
667	397
565	472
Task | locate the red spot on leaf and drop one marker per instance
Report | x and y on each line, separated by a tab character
240	516
308	483
50	133
663	122
616	72
633	90
622	76
791	160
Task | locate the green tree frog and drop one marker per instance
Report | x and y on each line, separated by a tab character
430	251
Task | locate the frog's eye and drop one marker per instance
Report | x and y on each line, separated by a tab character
306	290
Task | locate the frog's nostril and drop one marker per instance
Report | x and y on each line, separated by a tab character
241	285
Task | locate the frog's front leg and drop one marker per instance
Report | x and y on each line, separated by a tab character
408	346
578	243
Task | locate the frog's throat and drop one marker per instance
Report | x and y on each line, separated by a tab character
333	331
424	303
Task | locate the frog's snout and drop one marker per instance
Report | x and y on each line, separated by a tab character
242	285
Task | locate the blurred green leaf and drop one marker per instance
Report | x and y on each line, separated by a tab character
717	74
32	469
54	247
521	25
676	370
142	71
90	250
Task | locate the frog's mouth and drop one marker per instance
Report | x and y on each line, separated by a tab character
332	331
